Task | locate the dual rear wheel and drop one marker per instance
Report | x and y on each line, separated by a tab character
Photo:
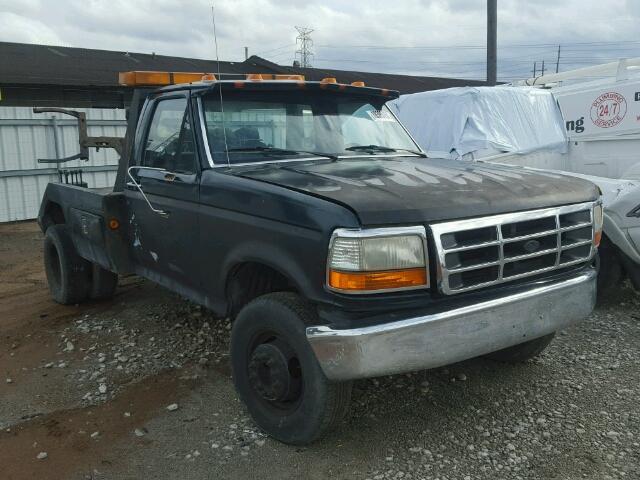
71	278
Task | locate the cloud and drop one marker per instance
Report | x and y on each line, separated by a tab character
17	28
425	37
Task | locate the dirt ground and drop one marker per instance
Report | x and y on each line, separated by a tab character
85	391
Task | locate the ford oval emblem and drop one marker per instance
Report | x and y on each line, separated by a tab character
531	246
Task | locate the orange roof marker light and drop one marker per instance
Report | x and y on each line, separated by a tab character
328	80
357	84
255	77
147	78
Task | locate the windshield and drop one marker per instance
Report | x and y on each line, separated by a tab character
294	124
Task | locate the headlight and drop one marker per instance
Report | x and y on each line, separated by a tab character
374	260
598	219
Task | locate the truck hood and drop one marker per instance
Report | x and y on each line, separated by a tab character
400	190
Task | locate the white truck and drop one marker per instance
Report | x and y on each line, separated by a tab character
569	123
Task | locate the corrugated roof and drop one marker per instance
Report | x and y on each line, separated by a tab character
28	64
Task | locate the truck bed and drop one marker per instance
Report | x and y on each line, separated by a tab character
87	212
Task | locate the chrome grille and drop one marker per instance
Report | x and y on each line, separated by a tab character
485	251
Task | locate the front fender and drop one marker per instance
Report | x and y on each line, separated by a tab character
276	258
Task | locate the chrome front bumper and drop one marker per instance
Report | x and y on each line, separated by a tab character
439	339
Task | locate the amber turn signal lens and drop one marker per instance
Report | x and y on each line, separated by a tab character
382	280
597	238
114	224
598	224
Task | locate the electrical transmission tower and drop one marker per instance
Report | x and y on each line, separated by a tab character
305	51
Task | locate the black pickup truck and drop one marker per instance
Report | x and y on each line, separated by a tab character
306	213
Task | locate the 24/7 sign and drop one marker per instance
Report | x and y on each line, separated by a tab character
605	110
608	110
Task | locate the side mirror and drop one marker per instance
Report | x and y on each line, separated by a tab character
135	184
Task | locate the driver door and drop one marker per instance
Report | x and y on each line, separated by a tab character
167	170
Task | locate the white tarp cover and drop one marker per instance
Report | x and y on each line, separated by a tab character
453	122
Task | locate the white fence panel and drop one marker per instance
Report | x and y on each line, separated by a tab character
26	136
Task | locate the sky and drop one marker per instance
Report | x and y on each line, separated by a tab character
421	37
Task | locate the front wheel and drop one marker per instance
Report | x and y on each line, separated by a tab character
276	372
523	351
610	271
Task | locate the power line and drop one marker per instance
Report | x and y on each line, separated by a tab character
450	47
264	52
279	54
514	65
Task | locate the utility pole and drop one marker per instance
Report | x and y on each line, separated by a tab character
558	60
246	53
542	74
535	69
305	51
492	41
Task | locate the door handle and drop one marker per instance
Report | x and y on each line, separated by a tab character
138	187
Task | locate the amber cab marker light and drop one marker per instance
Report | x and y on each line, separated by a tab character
357	84
328	80
114	224
380	280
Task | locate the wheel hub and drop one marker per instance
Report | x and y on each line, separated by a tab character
269	372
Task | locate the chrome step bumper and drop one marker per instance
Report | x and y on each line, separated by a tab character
439	339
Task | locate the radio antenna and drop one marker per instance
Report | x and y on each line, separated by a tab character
215	40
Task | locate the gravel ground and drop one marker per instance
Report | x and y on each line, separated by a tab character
140	387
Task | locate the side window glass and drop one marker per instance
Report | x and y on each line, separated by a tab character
170	144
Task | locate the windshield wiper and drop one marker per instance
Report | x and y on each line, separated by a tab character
382	149
372	148
281	151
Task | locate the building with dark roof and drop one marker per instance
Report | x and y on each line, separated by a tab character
42	75
80	78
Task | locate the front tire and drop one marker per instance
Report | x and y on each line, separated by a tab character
523	351
610	272
67	272
276	372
